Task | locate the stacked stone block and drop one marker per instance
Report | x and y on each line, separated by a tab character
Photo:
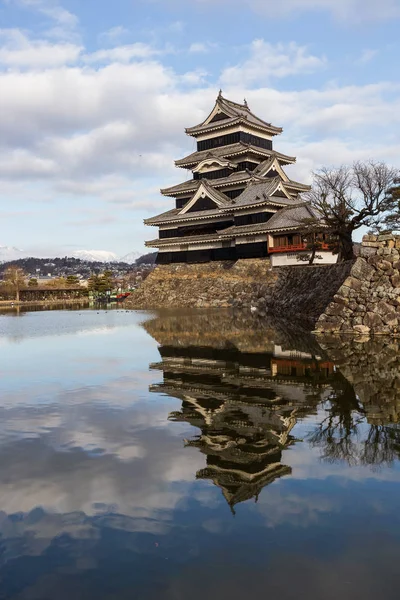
369	299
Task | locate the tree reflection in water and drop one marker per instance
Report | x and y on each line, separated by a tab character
362	422
245	383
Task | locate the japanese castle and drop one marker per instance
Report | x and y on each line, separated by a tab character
239	202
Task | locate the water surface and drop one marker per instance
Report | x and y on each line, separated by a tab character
201	455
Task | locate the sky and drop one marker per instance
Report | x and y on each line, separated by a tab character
95	96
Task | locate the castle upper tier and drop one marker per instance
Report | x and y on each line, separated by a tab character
239	203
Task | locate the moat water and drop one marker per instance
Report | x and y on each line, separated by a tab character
195	455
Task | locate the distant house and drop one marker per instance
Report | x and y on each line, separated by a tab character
239	203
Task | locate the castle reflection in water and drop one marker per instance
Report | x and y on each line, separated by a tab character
244	386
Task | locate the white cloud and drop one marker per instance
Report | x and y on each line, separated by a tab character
332	110
201	47
176	27
59	14
367	56
115	34
50	8
17	50
22	164
357	10
194	78
108	125
122	54
198	47
62	23
268	61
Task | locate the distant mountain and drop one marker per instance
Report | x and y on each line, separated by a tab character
96	255
130	258
8	253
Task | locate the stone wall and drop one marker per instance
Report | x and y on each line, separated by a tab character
369	299
300	292
216	284
303	292
361	296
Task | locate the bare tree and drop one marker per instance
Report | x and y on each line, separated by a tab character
351	197
392	221
315	239
14	278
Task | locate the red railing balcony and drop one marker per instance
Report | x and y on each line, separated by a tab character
294	248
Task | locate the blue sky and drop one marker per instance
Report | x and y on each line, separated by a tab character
95	95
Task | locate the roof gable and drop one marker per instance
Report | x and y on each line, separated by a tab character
232	112
271	165
281	191
263	191
214	161
220	116
220	112
205	191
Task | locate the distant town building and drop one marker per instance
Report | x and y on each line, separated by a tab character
239	203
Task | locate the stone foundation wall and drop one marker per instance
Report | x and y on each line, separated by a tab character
369	299
216	284
304	292
361	296
252	285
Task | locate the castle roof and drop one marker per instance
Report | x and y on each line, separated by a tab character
235	178
258	192
227	114
292	216
175	215
192	185
261	191
240	148
286	219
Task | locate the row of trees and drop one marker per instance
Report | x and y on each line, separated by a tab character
15	280
106	282
366	194
101	283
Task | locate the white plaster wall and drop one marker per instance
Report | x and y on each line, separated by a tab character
177	248
251	239
290	259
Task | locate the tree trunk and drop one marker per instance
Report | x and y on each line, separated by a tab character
17	294
346	251
312	256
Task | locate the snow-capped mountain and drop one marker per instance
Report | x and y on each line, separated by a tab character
130	258
8	253
95	255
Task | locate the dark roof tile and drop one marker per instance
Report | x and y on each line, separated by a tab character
231	150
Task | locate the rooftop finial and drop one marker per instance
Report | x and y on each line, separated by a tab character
220	94
245	103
